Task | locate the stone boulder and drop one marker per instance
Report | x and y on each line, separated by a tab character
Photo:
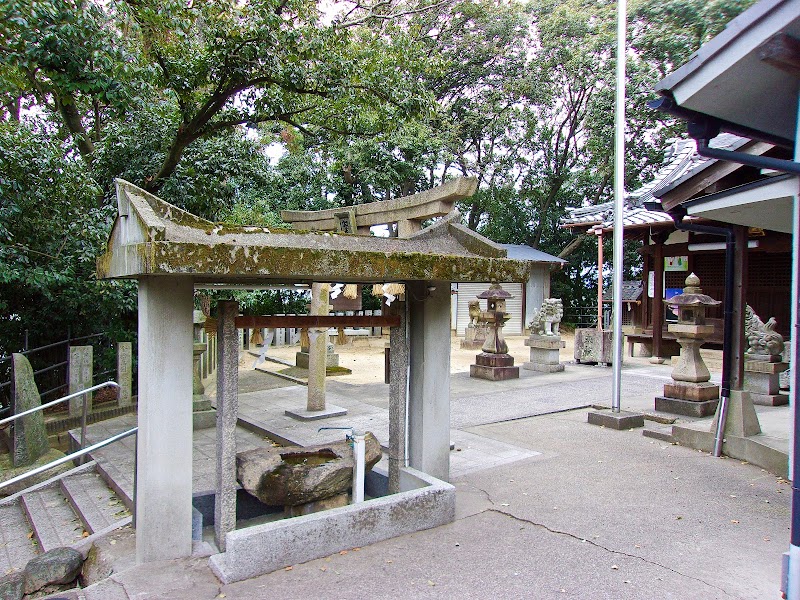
54	567
12	586
295	475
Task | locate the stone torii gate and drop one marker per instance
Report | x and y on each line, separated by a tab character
172	252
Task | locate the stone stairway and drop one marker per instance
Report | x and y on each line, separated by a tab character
67	510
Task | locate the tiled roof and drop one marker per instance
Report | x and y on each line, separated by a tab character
631	291
683	162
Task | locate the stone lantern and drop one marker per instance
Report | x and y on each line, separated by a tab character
494	362
690	393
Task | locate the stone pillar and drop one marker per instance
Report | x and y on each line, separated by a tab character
164	448
398	401
124	372
317	349
227	413
408	227
320	356
429	385
80	377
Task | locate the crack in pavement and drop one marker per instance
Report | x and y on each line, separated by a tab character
588	541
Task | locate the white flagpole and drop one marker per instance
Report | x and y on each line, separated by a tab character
619	199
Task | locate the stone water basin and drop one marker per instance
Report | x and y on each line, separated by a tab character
291	476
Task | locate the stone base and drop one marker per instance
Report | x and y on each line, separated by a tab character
769	399
485	359
687	408
494	367
200	403
473	345
542	367
695	392
331	359
619	420
204	419
330	410
493	373
751	449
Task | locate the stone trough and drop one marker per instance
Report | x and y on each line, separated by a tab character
423	502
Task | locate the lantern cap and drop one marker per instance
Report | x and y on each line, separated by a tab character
495	292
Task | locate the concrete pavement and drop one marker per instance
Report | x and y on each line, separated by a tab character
589	513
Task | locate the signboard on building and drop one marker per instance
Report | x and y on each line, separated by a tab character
676	263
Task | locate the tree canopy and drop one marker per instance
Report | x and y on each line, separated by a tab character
237	109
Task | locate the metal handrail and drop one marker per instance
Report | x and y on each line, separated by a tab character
60	400
54	402
60	461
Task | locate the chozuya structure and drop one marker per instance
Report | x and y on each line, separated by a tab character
171	253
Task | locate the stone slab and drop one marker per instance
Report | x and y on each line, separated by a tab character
542	367
493	373
330	410
687	408
620	420
771	358
548	342
761	366
769	399
699	392
688	330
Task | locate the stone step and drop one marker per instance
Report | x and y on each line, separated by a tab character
53	521
97	506
658	432
119	479
17	544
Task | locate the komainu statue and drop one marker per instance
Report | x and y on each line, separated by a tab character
547	319
761	337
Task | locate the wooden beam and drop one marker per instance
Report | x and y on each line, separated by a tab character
782	51
305	321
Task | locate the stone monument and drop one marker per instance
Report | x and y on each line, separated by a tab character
475	333
690	392
494	362
763	364
81	376
125	372
544	339
29	441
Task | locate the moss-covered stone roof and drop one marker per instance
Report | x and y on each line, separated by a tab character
153	237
